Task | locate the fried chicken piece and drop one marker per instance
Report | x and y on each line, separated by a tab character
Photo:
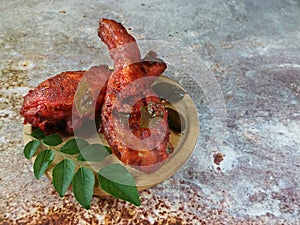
49	106
122	46
134	119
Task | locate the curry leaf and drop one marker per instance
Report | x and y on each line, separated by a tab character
114	179
83	98
170	92
62	175
37	133
83	186
42	161
108	149
93	153
73	146
52	140
31	148
117	181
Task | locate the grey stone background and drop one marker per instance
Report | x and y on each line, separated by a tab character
252	50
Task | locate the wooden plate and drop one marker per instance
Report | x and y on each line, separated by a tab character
183	143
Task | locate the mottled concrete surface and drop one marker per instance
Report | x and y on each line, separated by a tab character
248	175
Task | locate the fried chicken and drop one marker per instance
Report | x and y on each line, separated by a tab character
134	119
49	106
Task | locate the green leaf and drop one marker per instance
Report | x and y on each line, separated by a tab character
42	161
170	92
93	153
31	148
62	176
83	98
81	158
108	149
73	146
37	133
52	140
83	186
117	181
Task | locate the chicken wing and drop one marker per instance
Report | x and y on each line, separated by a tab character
49	106
134	119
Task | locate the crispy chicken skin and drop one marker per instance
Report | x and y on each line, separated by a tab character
134	119
129	99
49	106
122	46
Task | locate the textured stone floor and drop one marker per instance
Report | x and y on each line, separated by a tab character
239	60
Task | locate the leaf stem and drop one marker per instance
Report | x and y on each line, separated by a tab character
64	155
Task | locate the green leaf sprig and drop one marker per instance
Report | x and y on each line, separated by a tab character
72	171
